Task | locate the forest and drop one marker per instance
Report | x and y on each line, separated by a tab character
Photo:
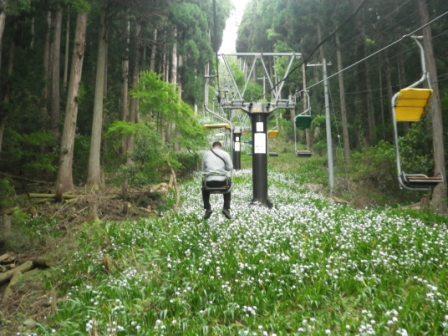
106	110
79	90
362	95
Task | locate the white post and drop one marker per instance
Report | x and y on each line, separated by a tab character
328	126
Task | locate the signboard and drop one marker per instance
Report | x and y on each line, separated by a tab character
260	127
237	146
260	143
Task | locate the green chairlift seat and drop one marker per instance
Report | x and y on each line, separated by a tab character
303	122
304	153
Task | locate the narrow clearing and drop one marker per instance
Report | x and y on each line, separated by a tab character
305	267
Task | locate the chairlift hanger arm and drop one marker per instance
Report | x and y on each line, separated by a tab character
229	70
216	115
425	74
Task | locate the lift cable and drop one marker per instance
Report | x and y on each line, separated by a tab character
387	27
382	49
325	40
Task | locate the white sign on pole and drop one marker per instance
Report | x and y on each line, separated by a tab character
260	143
237	139
260	127
237	146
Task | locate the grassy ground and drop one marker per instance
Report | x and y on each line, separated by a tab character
308	266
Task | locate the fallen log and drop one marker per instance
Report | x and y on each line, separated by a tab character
50	196
7	258
25	267
14	280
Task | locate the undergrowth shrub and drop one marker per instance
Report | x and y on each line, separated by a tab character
153	156
188	162
33	154
416	150
29	232
376	166
7	194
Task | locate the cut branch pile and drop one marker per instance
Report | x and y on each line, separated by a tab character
107	204
12	270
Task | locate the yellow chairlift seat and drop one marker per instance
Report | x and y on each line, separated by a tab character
272	134
217	126
419	181
411	103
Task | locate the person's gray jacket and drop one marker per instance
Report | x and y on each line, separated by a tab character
214	168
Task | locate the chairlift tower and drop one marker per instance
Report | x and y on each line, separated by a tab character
258	111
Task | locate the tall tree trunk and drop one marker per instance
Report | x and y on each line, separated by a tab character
133	115
65	174
383	118
106	74
7	93
2	131
33	32
165	66
345	133
174	80
55	73
152	64
2	30
370	107
439	195
94	169
136	71
389	88
67	49
174	59
47	74
125	84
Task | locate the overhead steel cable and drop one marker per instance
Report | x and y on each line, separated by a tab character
382	49
321	43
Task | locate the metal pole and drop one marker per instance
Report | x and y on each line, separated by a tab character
328	126
264	87
207	82
236	148
260	158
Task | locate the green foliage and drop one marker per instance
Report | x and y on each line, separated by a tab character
188	162
35	153
157	96
318	121
376	165
152	157
416	150
348	269
15	7
29	232
254	92
81	158
7	193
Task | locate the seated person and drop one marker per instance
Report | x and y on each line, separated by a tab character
217	168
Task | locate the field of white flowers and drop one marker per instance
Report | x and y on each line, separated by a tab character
306	267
